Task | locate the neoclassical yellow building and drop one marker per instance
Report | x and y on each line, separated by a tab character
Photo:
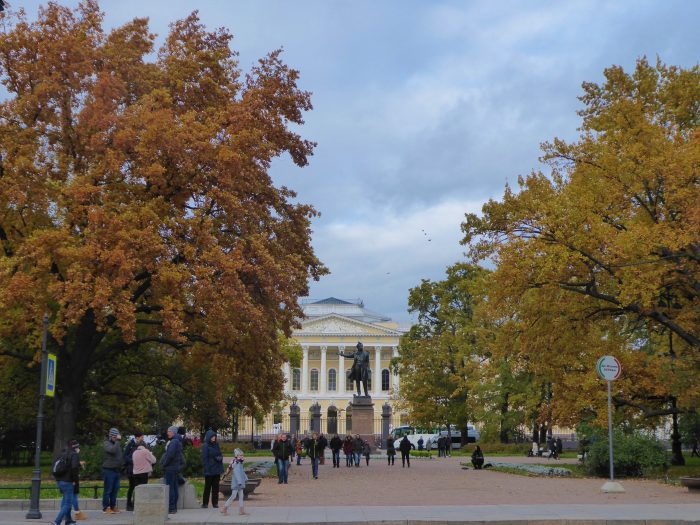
331	327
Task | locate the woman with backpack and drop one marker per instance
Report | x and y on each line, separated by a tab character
213	465
66	472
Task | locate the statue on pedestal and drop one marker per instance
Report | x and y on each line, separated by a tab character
360	371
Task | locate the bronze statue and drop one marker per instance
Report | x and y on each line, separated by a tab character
360	371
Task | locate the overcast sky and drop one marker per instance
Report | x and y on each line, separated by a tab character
423	110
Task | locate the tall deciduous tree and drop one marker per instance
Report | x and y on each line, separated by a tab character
135	200
613	233
438	352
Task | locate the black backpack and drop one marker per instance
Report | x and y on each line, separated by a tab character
61	466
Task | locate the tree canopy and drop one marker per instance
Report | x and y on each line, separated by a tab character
136	205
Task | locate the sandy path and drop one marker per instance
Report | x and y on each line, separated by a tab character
443	482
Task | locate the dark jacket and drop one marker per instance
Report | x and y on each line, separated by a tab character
358	445
313	448
172	459
282	450
129	456
73	473
347	446
212	458
390	448
405	445
336	444
112	455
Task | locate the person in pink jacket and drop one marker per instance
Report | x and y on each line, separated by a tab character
143	465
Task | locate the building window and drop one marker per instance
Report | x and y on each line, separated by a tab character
296	379
332	379
349	385
314	380
385	380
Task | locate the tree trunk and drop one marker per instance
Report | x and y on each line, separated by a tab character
676	443
504	437
66	417
73	366
535	433
543	434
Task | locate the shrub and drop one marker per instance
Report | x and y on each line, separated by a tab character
515	449
634	455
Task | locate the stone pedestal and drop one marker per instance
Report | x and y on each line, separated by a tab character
151	504
363	419
187	498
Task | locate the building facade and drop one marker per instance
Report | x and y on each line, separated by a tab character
330	328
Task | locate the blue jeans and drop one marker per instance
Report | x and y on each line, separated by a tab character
76	506
357	455
66	488
314	467
171	480
336	458
111	488
348	460
282	470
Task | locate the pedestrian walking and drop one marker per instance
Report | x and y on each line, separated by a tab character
420	443
77	513
282	451
336	444
405	448
347	450
448	447
299	450
324	444
390	450
131	446
441	446
366	451
66	471
358	446
238	481
313	450
559	446
143	460
213	467
172	463
112	462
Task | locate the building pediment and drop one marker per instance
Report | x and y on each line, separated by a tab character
334	324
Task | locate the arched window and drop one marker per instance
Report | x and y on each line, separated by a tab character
348	418
296	379
332	374
385	380
314	380
349	385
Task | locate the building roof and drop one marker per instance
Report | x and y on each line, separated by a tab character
354	310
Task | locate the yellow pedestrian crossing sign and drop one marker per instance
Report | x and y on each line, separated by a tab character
51	376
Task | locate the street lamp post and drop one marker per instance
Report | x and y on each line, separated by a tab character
34	513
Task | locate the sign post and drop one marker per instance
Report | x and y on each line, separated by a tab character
34	513
609	369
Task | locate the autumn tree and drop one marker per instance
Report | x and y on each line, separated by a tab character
136	205
612	234
438	352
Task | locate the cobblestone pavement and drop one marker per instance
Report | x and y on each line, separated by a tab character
442	481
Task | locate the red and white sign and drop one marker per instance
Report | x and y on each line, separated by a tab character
609	368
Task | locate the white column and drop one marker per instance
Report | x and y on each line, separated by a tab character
377	370
395	353
324	376
341	372
305	371
287	378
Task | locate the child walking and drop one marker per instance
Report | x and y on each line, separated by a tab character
238	479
